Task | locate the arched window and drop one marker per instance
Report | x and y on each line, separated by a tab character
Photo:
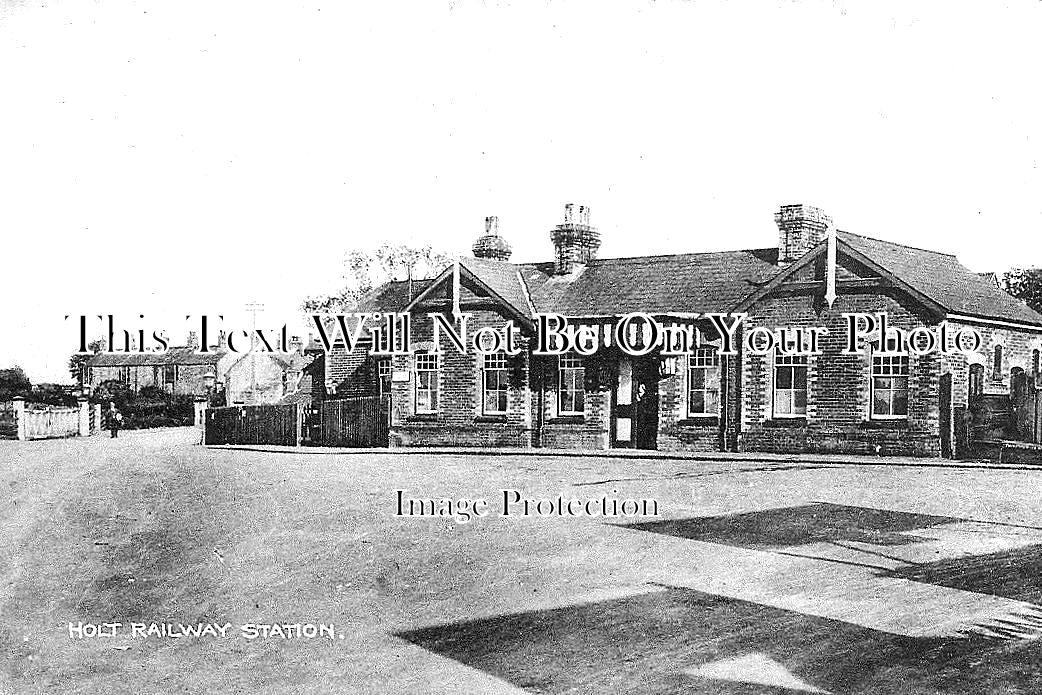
976	380
996	370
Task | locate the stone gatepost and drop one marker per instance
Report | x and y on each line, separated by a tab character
19	415
84	416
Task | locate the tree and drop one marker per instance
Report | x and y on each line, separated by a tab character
368	269
76	361
1026	284
14	382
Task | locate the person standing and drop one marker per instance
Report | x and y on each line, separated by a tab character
115	419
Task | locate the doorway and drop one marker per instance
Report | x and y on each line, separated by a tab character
635	404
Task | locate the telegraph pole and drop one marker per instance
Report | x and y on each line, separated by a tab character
253	308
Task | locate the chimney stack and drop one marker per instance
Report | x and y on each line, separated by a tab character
491	245
193	339
575	241
800	228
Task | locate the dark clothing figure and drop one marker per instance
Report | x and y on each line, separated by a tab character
115	420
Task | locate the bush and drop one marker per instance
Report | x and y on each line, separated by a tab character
13	382
51	394
151	407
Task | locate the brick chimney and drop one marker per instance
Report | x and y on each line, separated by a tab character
491	245
575	241
800	228
193	339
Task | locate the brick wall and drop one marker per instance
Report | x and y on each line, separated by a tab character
680	432
1018	347
838	415
459	420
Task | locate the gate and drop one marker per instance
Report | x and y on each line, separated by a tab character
357	422
254	424
51	423
1032	412
8	421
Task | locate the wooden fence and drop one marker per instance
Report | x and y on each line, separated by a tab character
355	422
1031	416
255	424
1007	427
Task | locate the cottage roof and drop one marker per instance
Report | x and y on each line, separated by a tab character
286	361
181	356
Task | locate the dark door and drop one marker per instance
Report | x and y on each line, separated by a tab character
1018	392
645	403
945	412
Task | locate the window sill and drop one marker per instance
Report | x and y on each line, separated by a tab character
491	418
895	424
786	422
568	420
699	421
422	417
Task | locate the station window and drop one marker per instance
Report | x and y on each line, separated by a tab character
703	382
427	383
494	384
889	386
790	386
571	378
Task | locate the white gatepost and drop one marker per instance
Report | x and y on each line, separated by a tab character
19	415
84	416
200	411
200	417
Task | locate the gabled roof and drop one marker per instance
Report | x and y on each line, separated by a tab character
498	279
182	356
502	278
943	279
720	282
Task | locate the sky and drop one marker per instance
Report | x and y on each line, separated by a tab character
173	159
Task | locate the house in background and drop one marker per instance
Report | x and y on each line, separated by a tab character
830	402
991	278
256	378
180	371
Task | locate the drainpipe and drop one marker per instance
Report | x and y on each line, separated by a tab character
542	405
